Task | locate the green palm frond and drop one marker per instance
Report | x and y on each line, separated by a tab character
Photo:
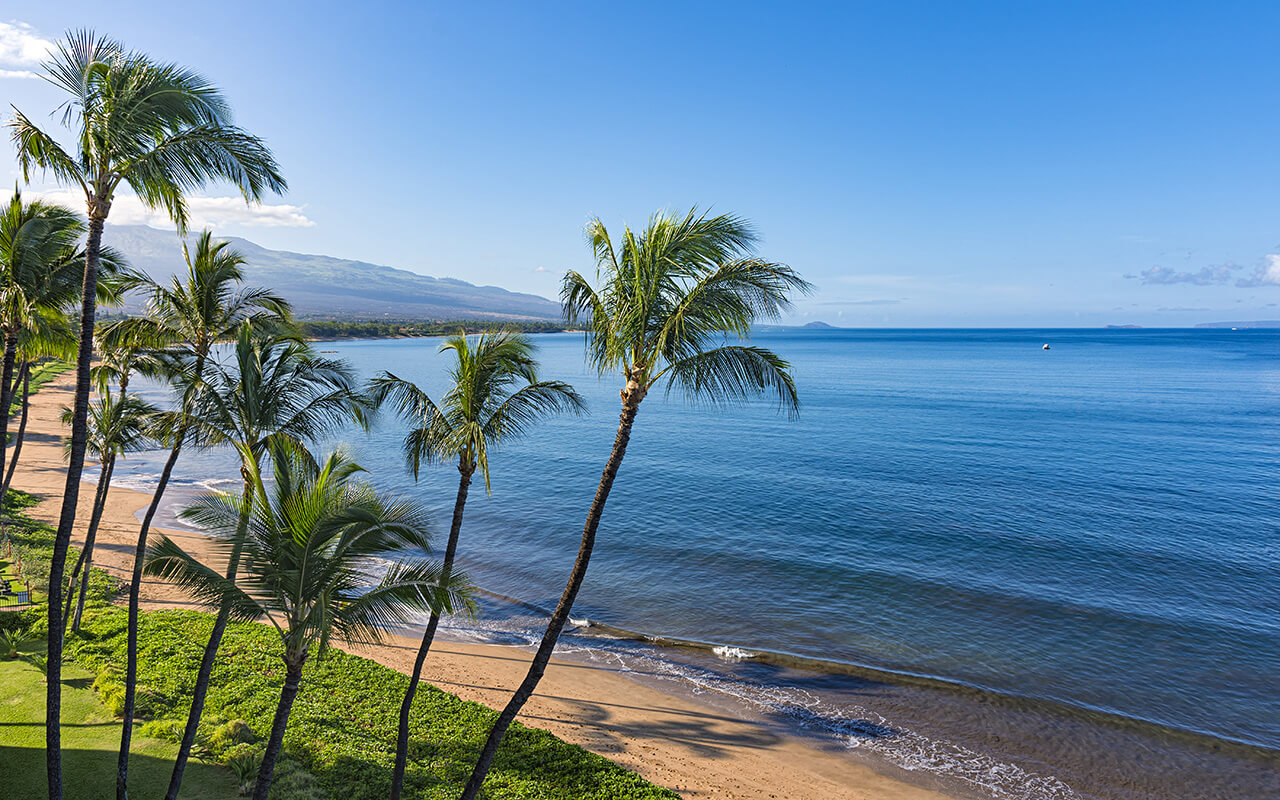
667	301
159	127
315	533
494	394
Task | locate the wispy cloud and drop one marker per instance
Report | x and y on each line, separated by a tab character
541	269
203	212
1267	274
21	50
1205	276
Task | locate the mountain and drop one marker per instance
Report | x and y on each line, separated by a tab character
819	325
1257	323
336	288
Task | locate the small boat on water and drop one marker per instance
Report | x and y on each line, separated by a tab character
1046	347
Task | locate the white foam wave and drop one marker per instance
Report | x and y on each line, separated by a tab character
732	653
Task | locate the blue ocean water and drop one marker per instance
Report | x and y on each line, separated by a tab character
1095	527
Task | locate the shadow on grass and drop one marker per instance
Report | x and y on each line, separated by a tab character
90	775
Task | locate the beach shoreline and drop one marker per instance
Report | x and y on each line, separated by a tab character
669	739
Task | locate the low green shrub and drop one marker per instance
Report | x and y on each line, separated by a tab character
341	736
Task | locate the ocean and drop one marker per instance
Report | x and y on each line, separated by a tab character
999	570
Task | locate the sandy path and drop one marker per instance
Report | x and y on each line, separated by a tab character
698	751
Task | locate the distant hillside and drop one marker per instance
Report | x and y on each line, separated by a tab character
1257	323
819	325
327	287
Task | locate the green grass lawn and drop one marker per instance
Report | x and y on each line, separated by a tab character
90	741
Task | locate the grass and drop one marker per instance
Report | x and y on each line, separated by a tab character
90	741
342	731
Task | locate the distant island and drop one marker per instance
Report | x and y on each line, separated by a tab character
819	325
1122	326
1257	323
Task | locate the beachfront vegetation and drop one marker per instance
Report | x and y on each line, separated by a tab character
272	389
314	534
665	300
494	395
163	130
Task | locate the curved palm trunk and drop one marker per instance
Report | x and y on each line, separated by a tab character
292	677
135	588
402	739
71	497
85	561
630	405
22	428
203	677
105	481
7	385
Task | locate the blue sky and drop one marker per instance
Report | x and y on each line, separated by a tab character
924	164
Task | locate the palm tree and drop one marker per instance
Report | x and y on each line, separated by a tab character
52	338
314	533
494	395
272	388
666	304
39	277
163	130
119	424
185	319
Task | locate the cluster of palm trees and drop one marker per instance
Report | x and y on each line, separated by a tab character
667	309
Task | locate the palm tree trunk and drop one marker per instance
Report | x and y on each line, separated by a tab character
135	588
7	385
90	537
630	405
71	497
465	468
22	427
86	553
210	652
292	677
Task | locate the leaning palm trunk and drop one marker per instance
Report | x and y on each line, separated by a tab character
22	428
7	385
292	678
135	588
71	497
84	551
86	556
631	399
205	674
402	739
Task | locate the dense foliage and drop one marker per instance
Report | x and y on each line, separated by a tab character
335	329
343	727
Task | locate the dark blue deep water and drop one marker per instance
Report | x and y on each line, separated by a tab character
1092	528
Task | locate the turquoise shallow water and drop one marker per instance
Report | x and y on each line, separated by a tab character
1092	528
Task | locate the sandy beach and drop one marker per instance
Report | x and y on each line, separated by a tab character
670	740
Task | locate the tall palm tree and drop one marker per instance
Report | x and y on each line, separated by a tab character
313	536
185	320
163	130
494	395
665	307
119	423
274	387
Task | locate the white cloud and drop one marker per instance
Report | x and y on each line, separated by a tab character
1267	274
541	269
21	50
202	212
